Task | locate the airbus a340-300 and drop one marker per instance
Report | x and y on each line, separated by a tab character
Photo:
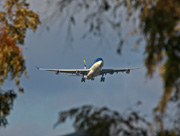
93	71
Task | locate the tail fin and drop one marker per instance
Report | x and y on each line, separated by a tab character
85	67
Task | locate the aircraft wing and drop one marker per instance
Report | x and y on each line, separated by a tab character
70	71
112	71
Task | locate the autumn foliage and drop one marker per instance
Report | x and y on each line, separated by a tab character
12	62
15	19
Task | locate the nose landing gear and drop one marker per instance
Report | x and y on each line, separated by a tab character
102	79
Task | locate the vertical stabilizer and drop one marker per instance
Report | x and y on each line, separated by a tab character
85	67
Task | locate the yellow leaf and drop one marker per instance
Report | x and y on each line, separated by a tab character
7	4
2	14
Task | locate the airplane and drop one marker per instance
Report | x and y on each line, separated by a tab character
93	71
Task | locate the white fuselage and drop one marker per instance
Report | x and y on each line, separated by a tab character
94	70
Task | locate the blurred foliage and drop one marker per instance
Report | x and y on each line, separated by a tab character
160	25
93	121
15	19
104	122
6	104
12	62
157	22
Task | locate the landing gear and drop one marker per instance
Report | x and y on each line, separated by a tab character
102	79
83	79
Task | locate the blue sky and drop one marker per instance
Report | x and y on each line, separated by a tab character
36	111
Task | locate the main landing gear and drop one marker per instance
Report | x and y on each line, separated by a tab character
83	79
102	79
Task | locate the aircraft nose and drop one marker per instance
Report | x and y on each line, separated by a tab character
102	63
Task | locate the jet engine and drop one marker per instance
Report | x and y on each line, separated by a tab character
57	72
128	71
111	72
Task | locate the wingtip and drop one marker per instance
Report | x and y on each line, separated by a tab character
37	67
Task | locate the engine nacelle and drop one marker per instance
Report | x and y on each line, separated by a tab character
77	72
57	72
111	72
128	71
